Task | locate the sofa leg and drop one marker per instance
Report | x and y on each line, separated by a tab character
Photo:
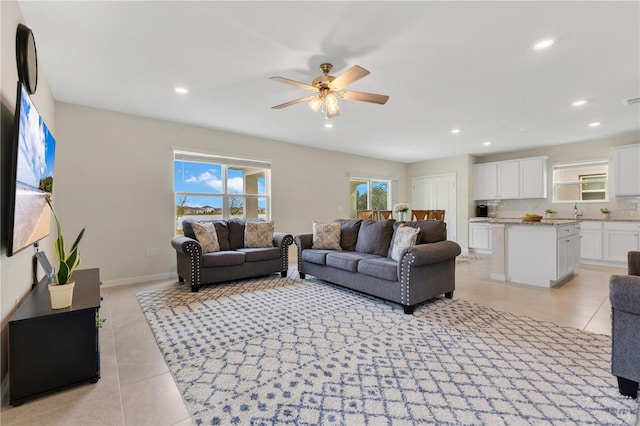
409	309
194	288
302	275
283	274
180	279
449	295
628	387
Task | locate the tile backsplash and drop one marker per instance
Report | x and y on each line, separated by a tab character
620	208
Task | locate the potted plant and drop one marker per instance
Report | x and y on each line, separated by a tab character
402	209
605	213
61	290
550	213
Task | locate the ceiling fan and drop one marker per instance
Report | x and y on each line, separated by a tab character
328	89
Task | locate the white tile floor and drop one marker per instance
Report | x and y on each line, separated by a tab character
136	387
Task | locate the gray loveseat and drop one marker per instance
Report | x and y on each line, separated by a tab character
624	293
423	271
233	261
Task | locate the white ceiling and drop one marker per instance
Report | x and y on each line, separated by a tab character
445	65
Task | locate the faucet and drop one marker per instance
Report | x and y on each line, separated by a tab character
576	214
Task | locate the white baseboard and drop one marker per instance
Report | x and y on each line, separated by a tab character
142	279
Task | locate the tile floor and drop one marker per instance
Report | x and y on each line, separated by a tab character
136	387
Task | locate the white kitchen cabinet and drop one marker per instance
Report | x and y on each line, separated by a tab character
542	255
591	240
485	181
626	169
480	237
510	180
568	254
619	239
533	177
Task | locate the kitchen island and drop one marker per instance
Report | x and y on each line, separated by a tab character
540	253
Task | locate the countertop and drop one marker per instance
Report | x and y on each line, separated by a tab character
551	222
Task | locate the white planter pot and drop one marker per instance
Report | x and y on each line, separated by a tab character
61	295
605	216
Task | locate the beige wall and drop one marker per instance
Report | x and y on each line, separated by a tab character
571	152
15	271
114	175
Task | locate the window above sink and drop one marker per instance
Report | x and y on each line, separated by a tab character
585	181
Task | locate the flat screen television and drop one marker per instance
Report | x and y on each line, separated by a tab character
32	176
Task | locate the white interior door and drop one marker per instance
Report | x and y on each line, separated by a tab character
437	193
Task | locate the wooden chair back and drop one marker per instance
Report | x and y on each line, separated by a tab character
386	214
436	215
419	214
365	214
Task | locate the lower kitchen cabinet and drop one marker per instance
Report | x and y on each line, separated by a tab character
608	242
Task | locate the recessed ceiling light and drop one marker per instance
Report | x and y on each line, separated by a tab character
455	131
543	44
486	143
594	124
579	102
181	90
328	125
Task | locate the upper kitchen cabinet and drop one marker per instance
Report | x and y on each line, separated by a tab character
533	177
626	169
509	180
485	181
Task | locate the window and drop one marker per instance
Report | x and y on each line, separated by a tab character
368	194
585	182
213	187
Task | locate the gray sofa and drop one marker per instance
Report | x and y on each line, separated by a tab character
233	261
423	271
624	293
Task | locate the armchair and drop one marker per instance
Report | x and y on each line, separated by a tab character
624	293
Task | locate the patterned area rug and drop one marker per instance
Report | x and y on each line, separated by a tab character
280	350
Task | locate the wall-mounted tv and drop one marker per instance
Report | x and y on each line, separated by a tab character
32	176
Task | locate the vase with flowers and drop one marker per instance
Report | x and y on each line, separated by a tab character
61	290
402	209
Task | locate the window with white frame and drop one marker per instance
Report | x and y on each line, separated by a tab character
214	187
369	194
581	181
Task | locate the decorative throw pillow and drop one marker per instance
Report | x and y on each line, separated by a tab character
405	236
326	236
348	233
258	234
375	236
206	236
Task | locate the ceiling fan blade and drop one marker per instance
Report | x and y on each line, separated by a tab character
296	101
364	97
350	76
294	83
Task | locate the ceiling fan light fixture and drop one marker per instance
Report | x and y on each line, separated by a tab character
315	103
332	101
332	110
328	88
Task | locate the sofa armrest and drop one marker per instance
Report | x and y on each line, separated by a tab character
427	254
186	246
624	293
282	240
303	241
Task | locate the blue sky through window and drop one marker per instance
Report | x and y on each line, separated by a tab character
206	178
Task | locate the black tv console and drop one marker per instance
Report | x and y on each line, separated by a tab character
51	349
